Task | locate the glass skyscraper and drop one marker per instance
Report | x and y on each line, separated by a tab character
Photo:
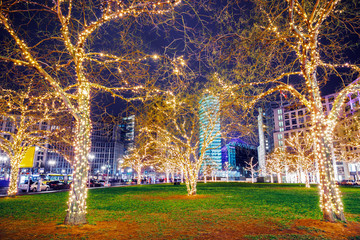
210	136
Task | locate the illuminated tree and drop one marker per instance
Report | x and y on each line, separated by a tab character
24	112
296	47
165	160
62	55
347	137
138	158
209	168
175	118
276	162
300	150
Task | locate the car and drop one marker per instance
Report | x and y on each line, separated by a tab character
104	183
94	183
347	182
57	185
43	187
33	186
357	182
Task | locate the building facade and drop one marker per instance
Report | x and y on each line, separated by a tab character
290	118
108	146
210	128
238	153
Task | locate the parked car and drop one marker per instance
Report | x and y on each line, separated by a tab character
94	183
43	187
33	186
347	182
357	182
56	185
104	183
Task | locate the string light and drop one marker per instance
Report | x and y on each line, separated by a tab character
112	10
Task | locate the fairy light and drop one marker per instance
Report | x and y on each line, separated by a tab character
81	111
304	42
32	111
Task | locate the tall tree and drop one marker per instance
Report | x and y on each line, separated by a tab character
65	54
296	47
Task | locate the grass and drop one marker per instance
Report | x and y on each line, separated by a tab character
161	204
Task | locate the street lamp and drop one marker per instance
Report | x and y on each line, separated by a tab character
51	164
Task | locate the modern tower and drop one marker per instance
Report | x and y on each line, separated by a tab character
210	136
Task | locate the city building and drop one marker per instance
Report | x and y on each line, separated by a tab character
108	145
289	118
210	126
238	153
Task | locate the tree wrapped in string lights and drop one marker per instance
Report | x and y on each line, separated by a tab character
138	158
296	47
60	52
276	162
24	112
347	141
300	149
174	119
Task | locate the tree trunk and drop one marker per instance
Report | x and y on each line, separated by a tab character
138	170
167	173
271	178
299	176
330	200
191	182
76	213
307	180
279	178
13	185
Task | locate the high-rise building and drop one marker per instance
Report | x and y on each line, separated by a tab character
290	118
238	153
210	135
108	142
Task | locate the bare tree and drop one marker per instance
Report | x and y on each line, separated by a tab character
252	167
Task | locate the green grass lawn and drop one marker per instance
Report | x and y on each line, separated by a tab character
282	203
